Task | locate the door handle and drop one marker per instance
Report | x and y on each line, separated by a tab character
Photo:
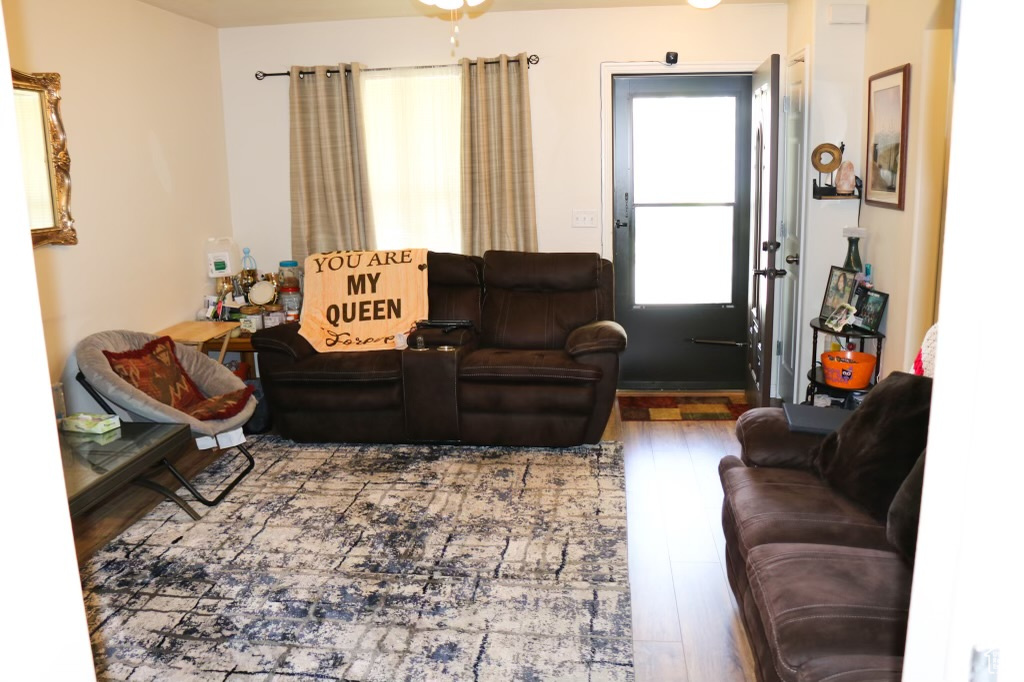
793	259
770	273
621	223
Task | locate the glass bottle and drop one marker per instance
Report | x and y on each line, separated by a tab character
289	275
289	281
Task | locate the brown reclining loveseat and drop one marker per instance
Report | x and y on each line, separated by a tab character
538	367
821	534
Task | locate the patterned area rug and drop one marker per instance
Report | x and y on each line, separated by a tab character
649	408
380	563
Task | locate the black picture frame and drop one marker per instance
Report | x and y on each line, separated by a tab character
841	285
870	305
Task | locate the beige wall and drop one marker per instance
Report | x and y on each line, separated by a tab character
800	26
903	245
142	109
565	94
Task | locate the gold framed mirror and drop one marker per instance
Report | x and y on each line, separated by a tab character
45	161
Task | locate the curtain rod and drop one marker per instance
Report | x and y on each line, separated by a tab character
260	75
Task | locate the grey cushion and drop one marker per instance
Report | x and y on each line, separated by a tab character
210	376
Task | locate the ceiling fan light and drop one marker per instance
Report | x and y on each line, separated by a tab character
703	4
474	3
444	4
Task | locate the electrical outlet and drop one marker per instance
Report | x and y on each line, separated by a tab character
581	218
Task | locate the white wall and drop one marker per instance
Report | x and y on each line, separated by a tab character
43	628
836	91
565	94
142	110
966	590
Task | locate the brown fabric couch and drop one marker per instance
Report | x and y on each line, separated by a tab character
820	536
539	367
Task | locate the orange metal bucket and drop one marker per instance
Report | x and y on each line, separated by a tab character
848	369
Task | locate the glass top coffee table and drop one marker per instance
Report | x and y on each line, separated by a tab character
98	465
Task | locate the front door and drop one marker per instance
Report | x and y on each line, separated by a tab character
763	232
681	206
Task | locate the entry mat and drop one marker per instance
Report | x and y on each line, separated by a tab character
346	562
643	408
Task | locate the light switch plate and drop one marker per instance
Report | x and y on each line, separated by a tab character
581	218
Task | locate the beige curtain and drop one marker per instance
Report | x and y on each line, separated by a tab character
330	192
497	156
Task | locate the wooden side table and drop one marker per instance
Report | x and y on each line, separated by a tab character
199	332
241	344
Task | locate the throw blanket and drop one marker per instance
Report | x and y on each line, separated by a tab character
359	300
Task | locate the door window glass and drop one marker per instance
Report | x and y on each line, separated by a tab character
684	150
684	183
683	254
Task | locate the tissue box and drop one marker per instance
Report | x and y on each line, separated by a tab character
86	441
90	423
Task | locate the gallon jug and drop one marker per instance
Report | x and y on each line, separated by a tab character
223	257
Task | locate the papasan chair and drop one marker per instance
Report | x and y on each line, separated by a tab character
152	379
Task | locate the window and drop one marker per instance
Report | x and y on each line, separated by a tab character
413	119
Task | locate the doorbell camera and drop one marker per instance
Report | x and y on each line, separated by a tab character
671	57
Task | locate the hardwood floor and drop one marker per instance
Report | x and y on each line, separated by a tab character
685	623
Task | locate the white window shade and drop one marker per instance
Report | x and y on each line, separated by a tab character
413	128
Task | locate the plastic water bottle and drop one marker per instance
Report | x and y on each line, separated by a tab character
59	407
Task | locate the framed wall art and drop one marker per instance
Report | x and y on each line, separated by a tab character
886	169
839	290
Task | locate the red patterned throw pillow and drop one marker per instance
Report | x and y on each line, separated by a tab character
154	369
221	406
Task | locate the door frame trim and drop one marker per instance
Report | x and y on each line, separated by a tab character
609	69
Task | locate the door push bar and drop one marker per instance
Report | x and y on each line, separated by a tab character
718	342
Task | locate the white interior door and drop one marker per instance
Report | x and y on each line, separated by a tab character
764	244
793	189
